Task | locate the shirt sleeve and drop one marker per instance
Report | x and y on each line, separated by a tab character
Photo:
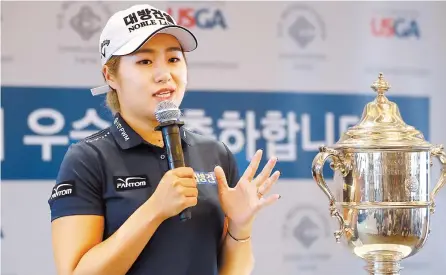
78	188
233	176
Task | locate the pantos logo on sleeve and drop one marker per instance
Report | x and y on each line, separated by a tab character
205	177
63	189
147	17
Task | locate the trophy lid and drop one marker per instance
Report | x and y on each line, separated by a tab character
382	126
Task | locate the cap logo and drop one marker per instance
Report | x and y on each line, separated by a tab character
147	17
103	45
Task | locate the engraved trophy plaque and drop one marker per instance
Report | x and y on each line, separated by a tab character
382	182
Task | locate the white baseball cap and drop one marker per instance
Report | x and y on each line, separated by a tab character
127	30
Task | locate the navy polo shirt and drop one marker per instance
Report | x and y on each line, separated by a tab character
114	171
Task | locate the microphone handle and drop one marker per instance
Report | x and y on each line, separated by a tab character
175	157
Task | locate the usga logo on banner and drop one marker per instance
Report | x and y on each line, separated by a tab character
290	126
207	18
398	24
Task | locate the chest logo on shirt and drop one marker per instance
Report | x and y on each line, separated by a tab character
205	178
125	183
63	189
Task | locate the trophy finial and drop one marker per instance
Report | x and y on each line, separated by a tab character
380	85
381	125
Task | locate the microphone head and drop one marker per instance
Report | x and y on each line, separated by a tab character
167	111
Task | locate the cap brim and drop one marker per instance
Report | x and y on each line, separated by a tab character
187	40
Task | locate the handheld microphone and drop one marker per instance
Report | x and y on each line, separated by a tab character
168	114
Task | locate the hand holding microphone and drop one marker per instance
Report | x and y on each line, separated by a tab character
179	177
176	191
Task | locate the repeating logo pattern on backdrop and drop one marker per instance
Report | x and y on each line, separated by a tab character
80	24
396	24
302	32
397	30
212	19
305	234
6	56
203	17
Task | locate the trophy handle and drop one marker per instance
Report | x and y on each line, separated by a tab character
437	151
317	170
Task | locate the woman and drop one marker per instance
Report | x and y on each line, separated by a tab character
115	205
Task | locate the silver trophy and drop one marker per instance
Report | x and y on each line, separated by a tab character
382	185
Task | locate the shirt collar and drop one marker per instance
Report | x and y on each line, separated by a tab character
127	138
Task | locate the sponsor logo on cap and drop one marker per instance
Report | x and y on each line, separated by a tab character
104	44
147	17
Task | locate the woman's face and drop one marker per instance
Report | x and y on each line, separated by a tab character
155	72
